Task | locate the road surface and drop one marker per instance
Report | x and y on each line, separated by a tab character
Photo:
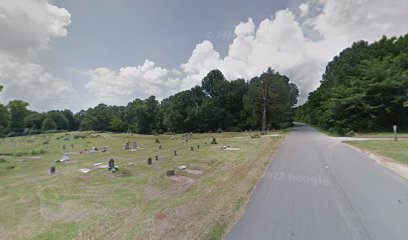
318	188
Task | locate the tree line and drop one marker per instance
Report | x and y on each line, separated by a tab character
364	88
263	102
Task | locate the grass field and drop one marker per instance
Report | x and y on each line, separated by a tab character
382	135
397	150
137	202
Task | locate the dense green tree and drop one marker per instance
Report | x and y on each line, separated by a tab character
117	125
34	121
269	100
216	86
97	118
180	111
48	124
18	111
216	104
72	123
4	118
234	106
59	118
143	116
363	89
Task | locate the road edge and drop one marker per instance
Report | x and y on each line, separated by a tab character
386	162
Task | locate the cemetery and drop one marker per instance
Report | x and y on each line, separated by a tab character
110	186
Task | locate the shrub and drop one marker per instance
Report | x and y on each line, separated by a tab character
19	154
38	152
157	140
54	131
78	136
233	129
219	130
255	136
124	172
350	133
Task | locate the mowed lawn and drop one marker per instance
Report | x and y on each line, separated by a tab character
397	150
137	202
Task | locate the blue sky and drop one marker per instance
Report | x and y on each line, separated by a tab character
116	33
75	54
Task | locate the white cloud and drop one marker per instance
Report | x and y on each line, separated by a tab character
26	27
203	59
297	46
300	48
304	9
31	83
128	83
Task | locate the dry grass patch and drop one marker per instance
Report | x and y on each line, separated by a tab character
138	201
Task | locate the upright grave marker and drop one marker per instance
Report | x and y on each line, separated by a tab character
111	164
170	173
52	170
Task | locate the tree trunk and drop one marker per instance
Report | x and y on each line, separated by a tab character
264	107
264	119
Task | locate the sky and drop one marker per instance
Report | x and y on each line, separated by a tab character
76	54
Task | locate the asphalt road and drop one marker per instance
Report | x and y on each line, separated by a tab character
319	188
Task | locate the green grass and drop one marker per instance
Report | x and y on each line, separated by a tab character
138	201
217	231
397	150
382	135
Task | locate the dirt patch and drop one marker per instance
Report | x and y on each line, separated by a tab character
67	211
152	192
391	164
179	184
195	172
161	216
182	179
84	178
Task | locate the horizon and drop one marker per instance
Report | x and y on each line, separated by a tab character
75	57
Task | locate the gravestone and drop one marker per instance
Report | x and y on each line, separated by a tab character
175	153
198	146
134	145
157	158
63	147
170	173
52	170
394	128
214	141
111	164
127	146
160	146
149	161
192	149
